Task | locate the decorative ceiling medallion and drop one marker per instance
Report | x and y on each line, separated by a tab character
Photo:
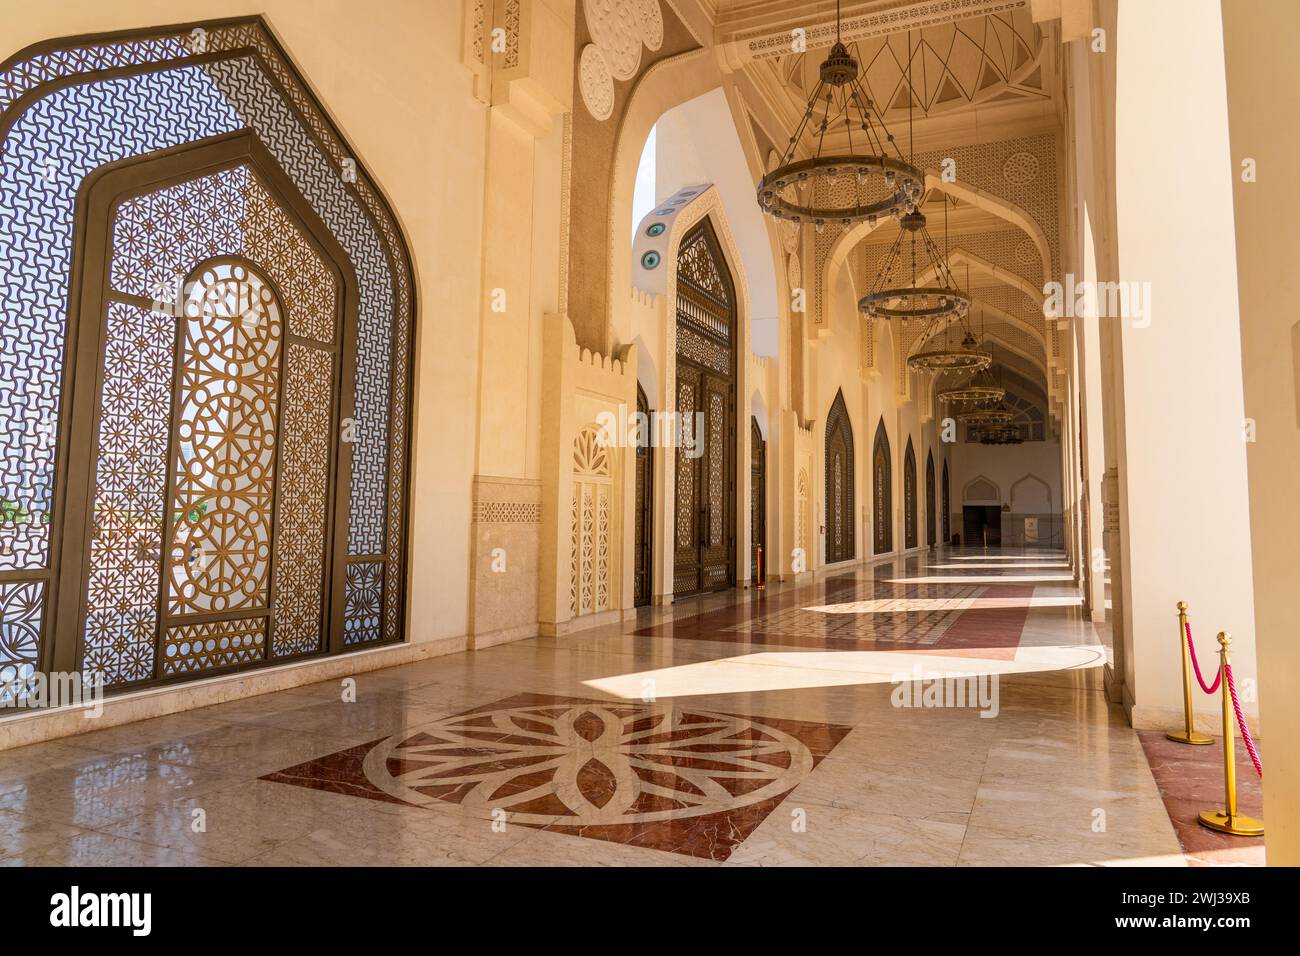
616	28
651	19
789	235
1026	253
596	83
1020	169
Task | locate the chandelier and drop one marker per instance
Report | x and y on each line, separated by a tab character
867	182
965	358
979	390
939	300
978	417
999	435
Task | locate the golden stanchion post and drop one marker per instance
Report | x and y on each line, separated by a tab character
1187	735
762	576
1229	820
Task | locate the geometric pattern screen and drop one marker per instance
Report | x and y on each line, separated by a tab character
216	425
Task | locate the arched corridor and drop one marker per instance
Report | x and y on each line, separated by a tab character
648	433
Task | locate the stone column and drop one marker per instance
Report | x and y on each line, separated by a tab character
521	54
1263	74
1181	481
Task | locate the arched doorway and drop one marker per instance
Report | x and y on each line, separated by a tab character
909	496
840	507
217	346
931	528
882	491
705	540
644	518
947	507
757	500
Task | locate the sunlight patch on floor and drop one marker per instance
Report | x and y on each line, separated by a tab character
997	567
984	579
792	670
1057	556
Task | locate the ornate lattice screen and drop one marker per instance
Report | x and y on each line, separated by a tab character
240	375
591	557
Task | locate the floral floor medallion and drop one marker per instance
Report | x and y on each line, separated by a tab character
664	776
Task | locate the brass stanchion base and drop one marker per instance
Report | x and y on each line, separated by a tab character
1195	737
1237	826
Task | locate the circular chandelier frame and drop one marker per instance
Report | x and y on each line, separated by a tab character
972	393
944	301
907	180
950	360
980	417
915	303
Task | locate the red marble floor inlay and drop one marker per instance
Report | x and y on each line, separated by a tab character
991	628
968	620
682	780
1190	780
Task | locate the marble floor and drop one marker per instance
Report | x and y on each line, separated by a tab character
748	728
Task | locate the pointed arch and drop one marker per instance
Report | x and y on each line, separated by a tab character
882	492
643	521
757	502
931	529
840	504
1004	209
706	333
909	496
946	495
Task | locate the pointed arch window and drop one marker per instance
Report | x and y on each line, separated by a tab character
931	515
840	507
882	491
909	497
947	507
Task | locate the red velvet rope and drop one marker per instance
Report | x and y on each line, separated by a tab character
1211	688
1232	692
1241	722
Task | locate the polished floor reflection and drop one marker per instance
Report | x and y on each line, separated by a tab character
749	728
